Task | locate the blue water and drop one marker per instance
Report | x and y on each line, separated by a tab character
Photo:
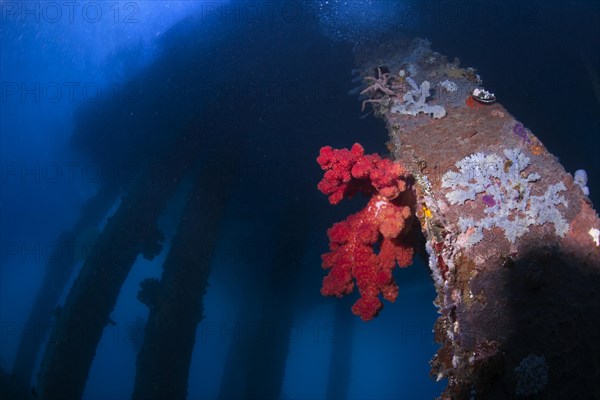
92	92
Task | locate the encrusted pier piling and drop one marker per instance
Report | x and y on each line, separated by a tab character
511	237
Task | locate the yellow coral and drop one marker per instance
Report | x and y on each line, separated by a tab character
427	212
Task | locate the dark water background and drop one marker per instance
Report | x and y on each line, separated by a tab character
91	95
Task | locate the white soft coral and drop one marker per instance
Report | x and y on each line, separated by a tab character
506	191
414	101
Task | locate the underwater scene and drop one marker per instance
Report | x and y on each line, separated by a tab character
328	199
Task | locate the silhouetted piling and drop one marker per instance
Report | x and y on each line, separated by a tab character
130	232
176	302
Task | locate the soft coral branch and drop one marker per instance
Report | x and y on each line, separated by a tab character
353	242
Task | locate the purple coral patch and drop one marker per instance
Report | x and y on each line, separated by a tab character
521	132
489	201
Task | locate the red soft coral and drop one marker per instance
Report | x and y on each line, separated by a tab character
352	255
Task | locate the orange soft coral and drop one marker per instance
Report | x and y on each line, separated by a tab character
472	103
